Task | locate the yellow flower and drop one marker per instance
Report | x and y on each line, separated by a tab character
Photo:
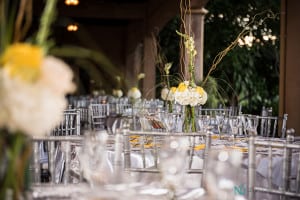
134	89
23	61
140	76
167	68
200	90
182	87
173	89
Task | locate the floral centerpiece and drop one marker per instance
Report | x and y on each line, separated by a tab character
188	93
134	93
117	92
33	86
167	92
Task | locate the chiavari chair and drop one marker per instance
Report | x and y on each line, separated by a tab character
97	115
149	145
285	155
70	125
272	126
58	164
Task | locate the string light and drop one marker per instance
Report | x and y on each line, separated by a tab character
71	2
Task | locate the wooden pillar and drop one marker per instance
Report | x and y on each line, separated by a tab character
195	22
149	67
134	64
289	93
134	53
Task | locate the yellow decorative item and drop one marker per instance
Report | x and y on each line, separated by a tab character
33	87
188	93
22	61
199	147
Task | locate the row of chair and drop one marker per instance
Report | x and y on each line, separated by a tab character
141	143
96	118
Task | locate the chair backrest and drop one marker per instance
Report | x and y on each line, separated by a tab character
272	126
70	124
124	109
97	116
280	165
215	111
84	117
219	117
56	154
150	145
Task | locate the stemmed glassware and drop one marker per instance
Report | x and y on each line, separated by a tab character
252	124
220	119
93	158
235	123
169	120
243	118
173	157
204	123
221	183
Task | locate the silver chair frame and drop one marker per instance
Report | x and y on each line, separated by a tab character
51	142
270	126
70	124
97	116
285	191
157	136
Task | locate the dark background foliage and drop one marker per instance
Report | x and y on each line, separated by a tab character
247	76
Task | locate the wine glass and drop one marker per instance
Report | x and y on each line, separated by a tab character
204	123
96	168
220	119
220	182
252	124
169	120
243	118
173	159
235	123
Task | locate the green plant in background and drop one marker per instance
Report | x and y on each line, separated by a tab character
247	74
252	69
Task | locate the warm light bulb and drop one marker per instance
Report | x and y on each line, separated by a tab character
71	2
72	27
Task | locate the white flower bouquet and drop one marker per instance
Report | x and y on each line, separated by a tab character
32	89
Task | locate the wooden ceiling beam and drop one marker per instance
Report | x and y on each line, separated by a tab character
160	12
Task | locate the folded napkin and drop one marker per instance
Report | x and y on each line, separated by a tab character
199	147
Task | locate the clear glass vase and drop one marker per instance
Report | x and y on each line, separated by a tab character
189	122
15	152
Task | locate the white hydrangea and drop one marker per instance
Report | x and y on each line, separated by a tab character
168	94
35	108
187	95
134	93
117	93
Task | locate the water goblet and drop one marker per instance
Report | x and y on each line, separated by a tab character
169	121
220	182
93	158
244	125
204	123
252	124
220	118
235	123
173	159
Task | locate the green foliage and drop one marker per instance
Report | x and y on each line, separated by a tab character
8	13
247	76
168	51
252	72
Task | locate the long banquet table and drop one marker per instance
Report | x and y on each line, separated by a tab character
150	187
